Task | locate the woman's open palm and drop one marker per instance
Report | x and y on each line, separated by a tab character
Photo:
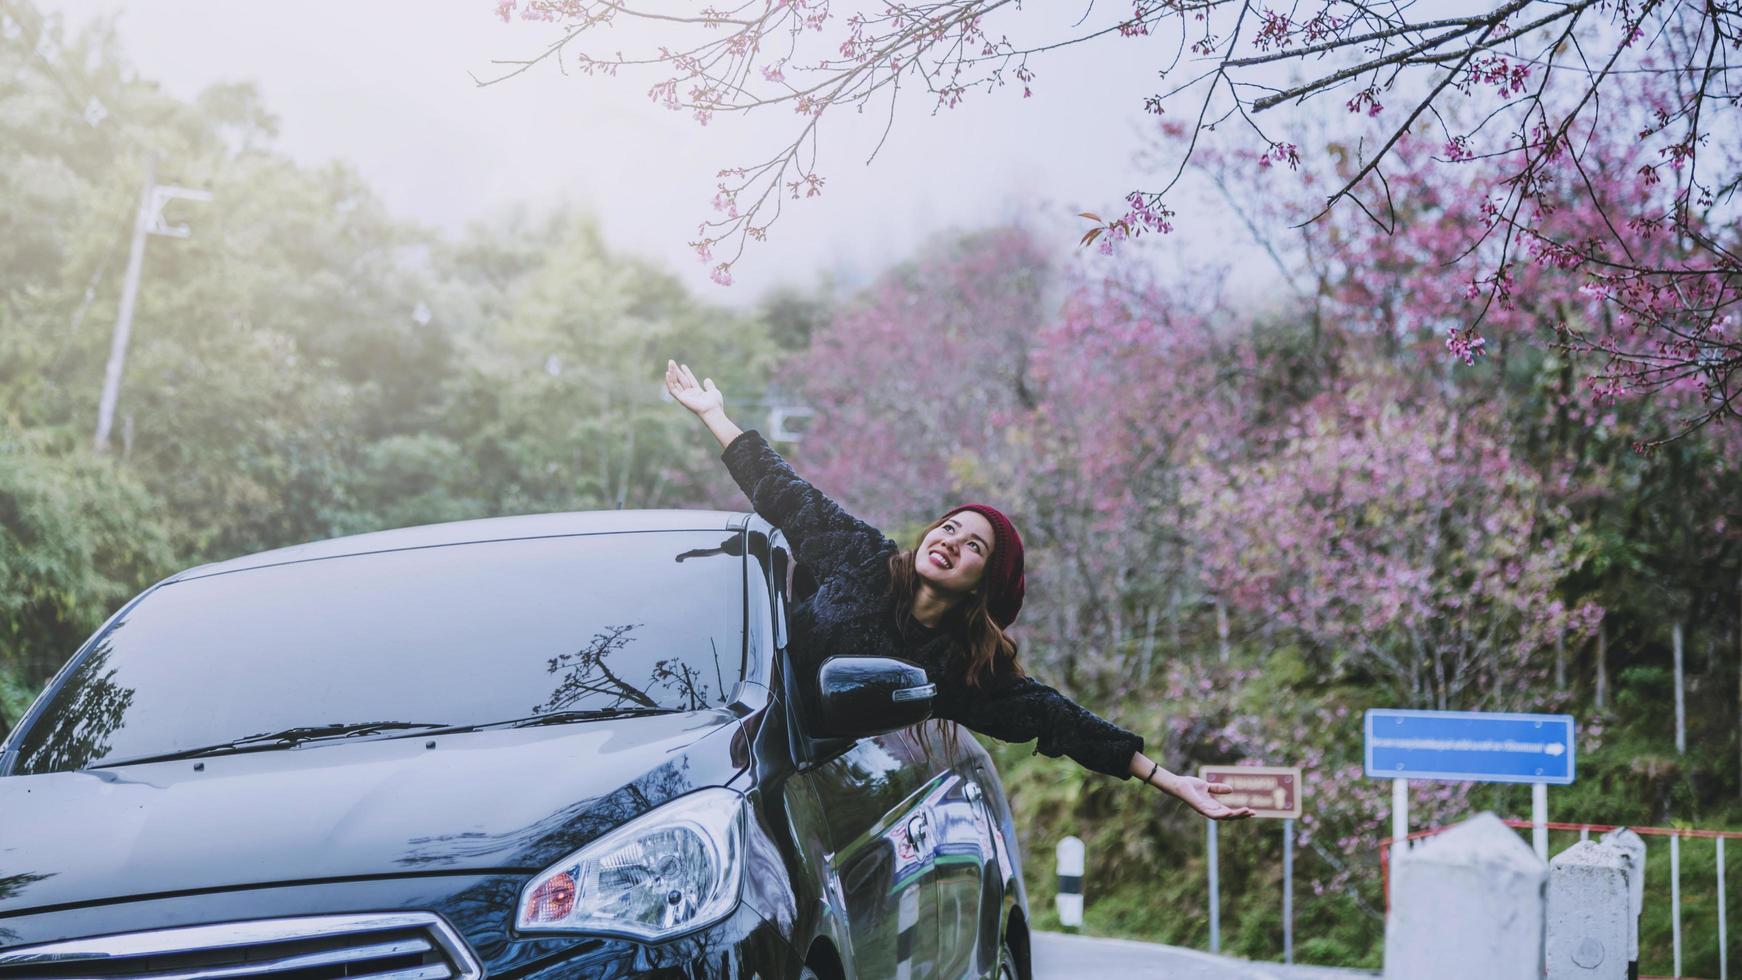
1201	796
698	397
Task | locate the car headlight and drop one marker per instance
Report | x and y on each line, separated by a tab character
668	871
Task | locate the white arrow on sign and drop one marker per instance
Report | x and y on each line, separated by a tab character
1554	748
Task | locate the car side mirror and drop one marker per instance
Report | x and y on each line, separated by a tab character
865	696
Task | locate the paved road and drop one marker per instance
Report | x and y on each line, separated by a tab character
1060	955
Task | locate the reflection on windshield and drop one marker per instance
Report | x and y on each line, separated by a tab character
462	635
70	737
589	677
684	681
732	547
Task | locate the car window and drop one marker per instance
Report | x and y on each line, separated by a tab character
451	635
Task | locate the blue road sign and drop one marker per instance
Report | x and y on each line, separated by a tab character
1472	746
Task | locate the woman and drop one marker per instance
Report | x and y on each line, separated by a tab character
944	605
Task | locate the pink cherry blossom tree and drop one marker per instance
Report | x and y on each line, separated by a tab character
916	379
1449	272
1127	374
1399	537
1540	98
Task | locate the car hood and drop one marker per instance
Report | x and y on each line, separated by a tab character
498	800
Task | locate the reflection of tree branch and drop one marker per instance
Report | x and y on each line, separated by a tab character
588	673
674	674
88	710
719	675
11	885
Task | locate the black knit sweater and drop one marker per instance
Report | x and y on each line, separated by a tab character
852	611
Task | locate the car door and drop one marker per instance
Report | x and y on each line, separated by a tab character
882	854
969	886
877	799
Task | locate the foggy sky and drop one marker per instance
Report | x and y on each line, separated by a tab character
384	85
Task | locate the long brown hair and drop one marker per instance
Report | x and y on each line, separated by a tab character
986	642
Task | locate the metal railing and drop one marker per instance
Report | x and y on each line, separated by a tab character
1675	835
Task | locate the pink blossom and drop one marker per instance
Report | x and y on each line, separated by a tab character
1367	101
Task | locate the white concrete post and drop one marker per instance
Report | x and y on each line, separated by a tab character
1675	899
1723	943
1070	897
1467	903
1589	901
1632	847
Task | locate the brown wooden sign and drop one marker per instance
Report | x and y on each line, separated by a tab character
1271	791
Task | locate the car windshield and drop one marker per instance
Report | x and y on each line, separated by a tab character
387	643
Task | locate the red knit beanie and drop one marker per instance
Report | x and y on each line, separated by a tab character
1004	572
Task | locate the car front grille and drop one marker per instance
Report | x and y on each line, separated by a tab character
387	946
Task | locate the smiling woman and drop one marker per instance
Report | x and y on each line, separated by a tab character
945	605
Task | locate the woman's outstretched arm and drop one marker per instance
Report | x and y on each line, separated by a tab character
1014	708
824	537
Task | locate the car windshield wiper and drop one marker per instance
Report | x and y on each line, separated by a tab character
555	718
290	737
283	739
583	714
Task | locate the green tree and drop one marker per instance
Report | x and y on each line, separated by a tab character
77	538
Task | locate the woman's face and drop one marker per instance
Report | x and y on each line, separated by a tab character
953	555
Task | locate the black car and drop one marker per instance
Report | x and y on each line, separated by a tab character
554	746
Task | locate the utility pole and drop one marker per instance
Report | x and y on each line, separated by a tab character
1602	694
148	221
1221	630
1681	724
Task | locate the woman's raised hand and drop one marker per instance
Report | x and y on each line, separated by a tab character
699	397
703	399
